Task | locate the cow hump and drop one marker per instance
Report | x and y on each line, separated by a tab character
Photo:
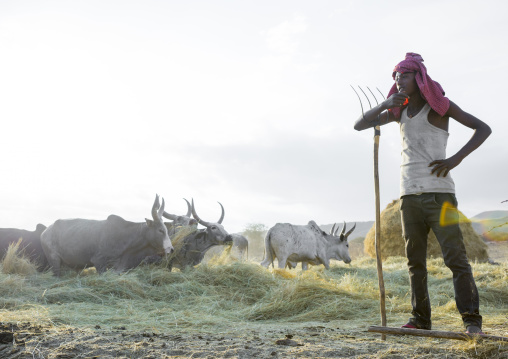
315	228
113	218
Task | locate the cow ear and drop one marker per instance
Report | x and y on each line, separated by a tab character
201	234
149	222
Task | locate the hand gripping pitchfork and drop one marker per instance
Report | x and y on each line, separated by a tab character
377	133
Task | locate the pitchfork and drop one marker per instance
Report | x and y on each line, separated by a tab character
377	133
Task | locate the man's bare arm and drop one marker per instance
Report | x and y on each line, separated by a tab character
376	116
481	132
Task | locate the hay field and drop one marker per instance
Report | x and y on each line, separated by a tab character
231	309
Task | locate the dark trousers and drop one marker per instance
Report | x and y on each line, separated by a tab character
419	214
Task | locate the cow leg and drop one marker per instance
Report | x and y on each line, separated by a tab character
282	261
265	263
305	265
170	265
268	258
291	265
55	263
101	268
100	263
55	267
326	263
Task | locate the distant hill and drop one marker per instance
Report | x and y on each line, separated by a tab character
490	215
491	225
360	231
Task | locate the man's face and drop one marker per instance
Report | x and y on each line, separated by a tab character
406	83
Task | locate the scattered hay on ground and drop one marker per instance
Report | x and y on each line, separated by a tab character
240	309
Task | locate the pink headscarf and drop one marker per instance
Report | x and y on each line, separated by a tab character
431	91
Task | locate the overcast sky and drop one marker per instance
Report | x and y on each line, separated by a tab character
105	103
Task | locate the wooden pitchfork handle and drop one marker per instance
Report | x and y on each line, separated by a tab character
377	134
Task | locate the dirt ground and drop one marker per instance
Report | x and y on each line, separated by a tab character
334	339
268	341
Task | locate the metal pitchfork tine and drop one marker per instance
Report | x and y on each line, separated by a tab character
361	103
377	134
377	130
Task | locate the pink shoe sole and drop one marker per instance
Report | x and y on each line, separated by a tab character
409	326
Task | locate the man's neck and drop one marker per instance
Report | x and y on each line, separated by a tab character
416	103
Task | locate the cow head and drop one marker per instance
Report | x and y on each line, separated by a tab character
157	236
40	228
339	247
179	222
215	232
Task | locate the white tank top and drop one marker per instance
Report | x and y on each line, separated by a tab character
422	143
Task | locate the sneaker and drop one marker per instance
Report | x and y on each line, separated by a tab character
412	325
473	329
409	326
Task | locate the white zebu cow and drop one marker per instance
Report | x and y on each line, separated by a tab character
307	244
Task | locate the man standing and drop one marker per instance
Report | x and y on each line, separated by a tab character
418	104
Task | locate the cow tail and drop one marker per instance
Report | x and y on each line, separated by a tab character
269	248
267	251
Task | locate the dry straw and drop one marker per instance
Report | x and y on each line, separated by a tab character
238	296
16	262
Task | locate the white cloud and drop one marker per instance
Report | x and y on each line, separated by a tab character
282	39
103	105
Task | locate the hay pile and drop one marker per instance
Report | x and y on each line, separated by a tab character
356	249
392	243
16	262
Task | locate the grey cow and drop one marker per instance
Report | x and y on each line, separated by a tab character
304	243
241	244
238	249
180	225
190	250
179	221
30	243
111	243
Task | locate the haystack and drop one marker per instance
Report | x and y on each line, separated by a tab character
16	262
392	243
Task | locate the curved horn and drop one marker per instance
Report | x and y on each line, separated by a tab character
337	229
189	209
343	229
155	207
174	216
222	215
169	216
195	215
333	228
350	231
161	210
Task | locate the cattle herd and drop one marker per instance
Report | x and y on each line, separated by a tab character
120	245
